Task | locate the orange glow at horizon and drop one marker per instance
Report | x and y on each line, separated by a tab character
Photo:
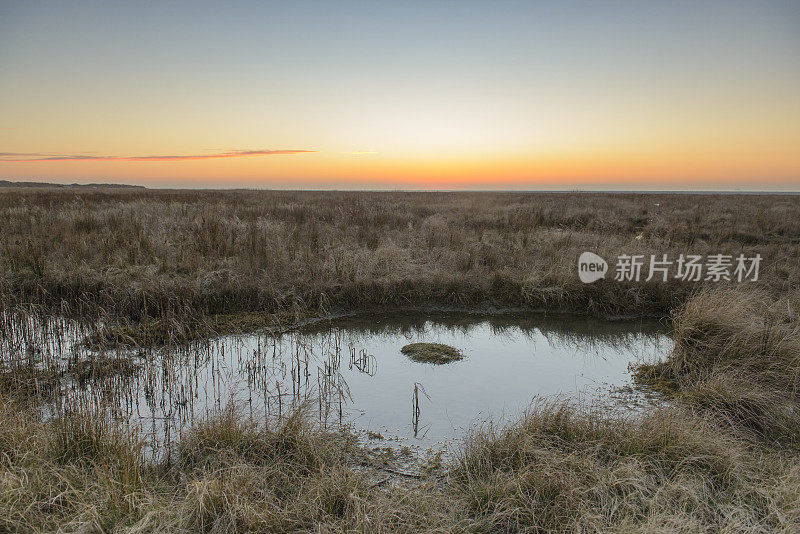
779	168
527	96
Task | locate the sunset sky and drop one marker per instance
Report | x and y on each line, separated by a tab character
387	95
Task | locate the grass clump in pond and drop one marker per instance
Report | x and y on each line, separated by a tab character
437	353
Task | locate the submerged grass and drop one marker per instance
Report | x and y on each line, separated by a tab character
160	332
29	381
102	367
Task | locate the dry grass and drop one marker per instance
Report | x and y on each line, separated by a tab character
562	469
168	260
169	265
559	469
723	459
737	356
436	353
81	473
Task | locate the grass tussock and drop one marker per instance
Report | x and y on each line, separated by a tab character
288	441
563	469
79	472
737	356
435	353
76	471
559	469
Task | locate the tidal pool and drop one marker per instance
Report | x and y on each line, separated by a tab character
352	371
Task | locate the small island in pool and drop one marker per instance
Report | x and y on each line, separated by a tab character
436	353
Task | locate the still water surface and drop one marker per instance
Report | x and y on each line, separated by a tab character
352	372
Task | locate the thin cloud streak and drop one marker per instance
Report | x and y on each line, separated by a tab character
21	157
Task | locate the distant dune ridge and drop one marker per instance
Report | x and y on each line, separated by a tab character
8	183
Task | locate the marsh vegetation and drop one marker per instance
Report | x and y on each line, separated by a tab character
104	289
168	264
435	353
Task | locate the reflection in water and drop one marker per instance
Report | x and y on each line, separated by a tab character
363	362
415	410
509	360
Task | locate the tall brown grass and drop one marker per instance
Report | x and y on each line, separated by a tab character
78	473
560	469
564	469
737	356
723	456
169	256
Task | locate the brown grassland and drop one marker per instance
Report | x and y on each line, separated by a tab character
723	455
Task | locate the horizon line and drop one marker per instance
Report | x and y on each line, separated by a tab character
44	184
